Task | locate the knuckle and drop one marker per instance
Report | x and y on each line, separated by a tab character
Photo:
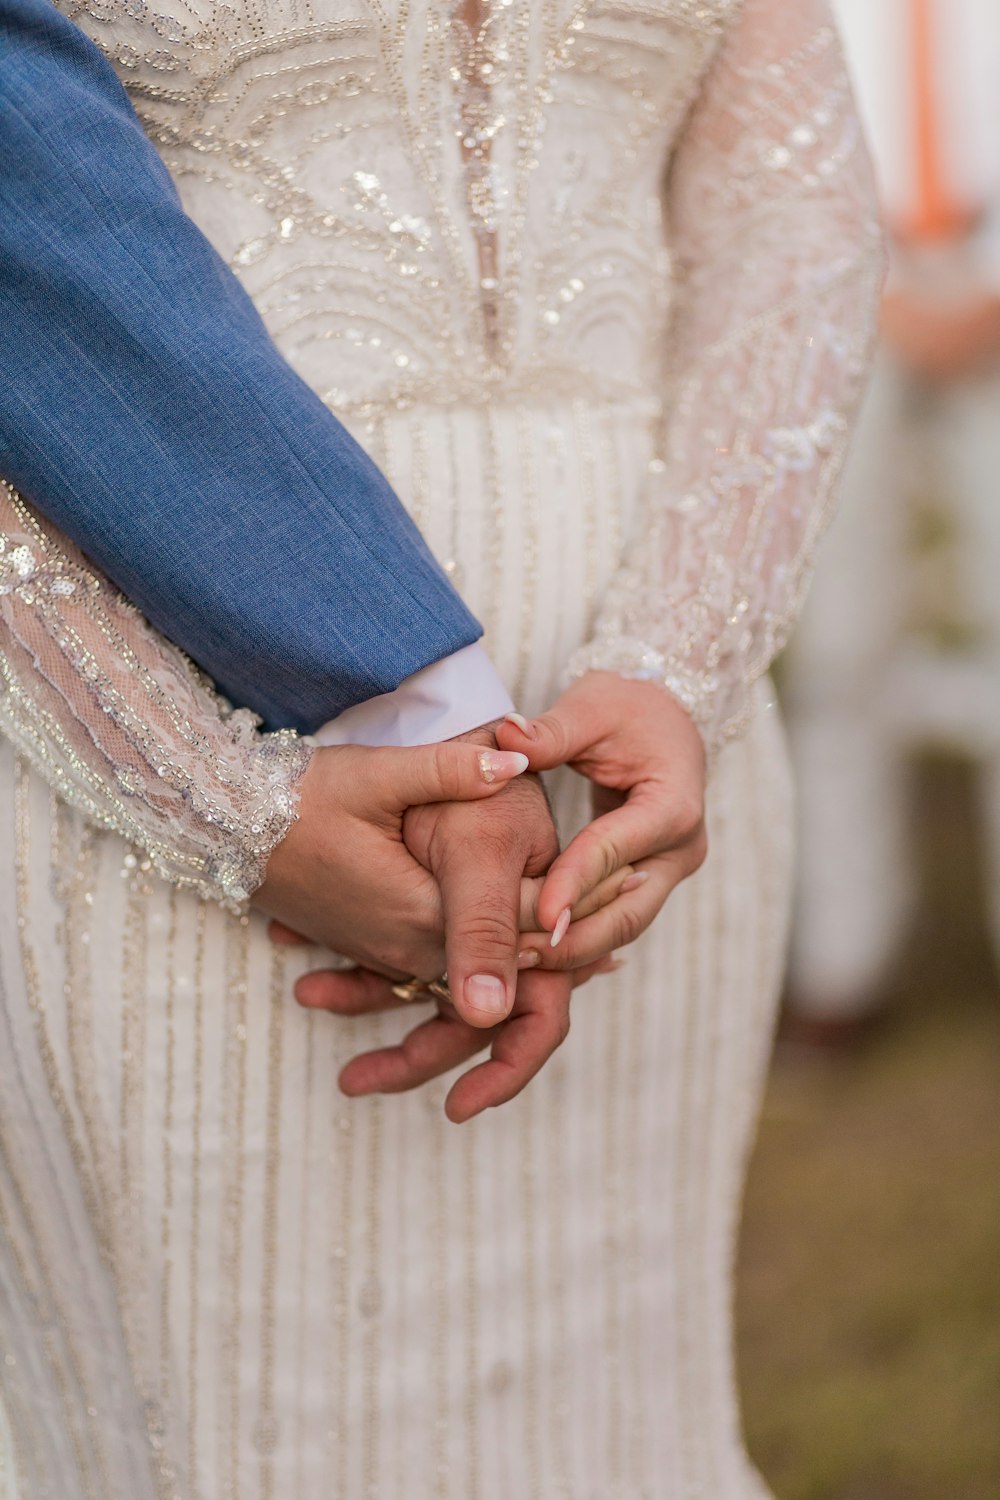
628	926
548	846
516	822
439	844
487	930
445	763
699	850
557	734
530	892
541	847
609	856
617	856
495	841
535	817
557	1031
687	815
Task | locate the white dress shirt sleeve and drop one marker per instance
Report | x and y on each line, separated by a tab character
452	695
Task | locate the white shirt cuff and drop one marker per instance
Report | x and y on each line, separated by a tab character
452	695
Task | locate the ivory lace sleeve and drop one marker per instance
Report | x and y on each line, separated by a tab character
774	229
125	728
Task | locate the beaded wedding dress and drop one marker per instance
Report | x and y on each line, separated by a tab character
594	283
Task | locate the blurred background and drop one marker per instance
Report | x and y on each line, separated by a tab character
869	1293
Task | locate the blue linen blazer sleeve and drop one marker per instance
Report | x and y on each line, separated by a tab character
145	410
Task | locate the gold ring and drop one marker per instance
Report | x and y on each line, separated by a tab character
422	989
410	989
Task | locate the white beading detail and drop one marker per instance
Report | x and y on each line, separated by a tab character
498	202
126	729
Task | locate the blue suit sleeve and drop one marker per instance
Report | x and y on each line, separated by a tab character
145	410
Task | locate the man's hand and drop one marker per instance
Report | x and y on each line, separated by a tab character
487	872
477	864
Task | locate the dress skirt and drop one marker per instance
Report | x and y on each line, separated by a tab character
220	1279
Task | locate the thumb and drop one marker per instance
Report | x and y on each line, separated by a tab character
553	739
451	771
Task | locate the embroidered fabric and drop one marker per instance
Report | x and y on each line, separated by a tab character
445	207
430	204
126	729
778	262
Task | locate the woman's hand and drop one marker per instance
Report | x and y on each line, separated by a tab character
645	756
343	877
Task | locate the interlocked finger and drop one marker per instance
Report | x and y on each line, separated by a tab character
360	991
601	895
437	1045
519	1049
347	992
615	925
649	823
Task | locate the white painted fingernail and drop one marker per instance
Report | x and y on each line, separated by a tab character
521	723
529	958
633	881
501	765
487	995
559	930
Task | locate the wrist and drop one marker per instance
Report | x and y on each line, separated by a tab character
483	734
292	853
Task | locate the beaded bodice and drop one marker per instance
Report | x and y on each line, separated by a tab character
655	216
429	199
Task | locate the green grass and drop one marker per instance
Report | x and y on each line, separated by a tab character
869	1294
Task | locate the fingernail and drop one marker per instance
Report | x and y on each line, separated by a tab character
633	881
486	995
559	930
529	958
521	723
501	765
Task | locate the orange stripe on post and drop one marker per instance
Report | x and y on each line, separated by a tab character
938	215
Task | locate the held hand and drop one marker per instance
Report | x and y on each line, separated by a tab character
477	864
343	877
519	1046
486	868
645	756
478	855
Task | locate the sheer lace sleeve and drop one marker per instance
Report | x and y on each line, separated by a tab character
773	227
125	728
